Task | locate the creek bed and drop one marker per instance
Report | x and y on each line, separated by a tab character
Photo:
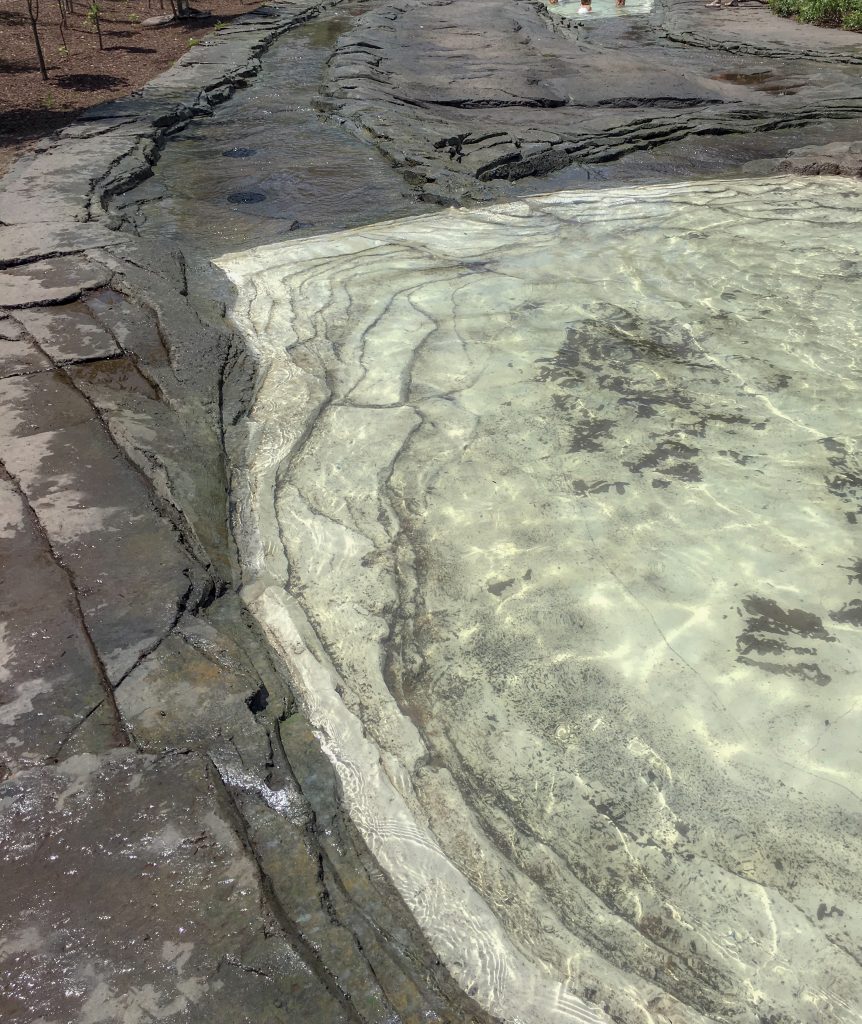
268	164
553	512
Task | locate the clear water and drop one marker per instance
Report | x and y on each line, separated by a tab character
600	9
566	496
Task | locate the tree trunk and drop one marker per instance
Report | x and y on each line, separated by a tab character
34	15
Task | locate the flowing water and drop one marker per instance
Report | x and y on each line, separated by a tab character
267	164
551	508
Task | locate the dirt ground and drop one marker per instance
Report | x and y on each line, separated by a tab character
80	74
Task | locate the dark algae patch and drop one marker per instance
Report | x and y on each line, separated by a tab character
770	632
243	198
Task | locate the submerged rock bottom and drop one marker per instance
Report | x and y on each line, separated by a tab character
551	511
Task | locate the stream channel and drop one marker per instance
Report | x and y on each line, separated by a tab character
268	166
552	509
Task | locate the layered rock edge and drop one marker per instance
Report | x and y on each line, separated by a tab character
173	842
548	90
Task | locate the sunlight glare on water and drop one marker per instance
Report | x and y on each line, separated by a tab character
569	490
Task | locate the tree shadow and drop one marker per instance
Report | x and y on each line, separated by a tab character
10	67
129	49
20	123
86	83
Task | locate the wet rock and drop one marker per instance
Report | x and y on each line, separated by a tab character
545	92
55	186
242	198
49	282
135	329
180	355
40	404
99	519
838	158
129	894
193	693
68	334
18	354
756	33
22	244
51	681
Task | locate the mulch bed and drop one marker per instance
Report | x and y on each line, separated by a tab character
80	74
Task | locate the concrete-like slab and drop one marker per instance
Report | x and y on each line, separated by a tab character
68	334
25	243
97	515
18	354
50	681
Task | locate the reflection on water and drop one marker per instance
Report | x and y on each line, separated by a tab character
600	9
567	495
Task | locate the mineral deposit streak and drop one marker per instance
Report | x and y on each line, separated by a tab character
552	510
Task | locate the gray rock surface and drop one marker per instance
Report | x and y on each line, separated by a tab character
49	282
545	90
129	895
841	158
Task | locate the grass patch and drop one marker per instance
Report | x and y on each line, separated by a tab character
845	14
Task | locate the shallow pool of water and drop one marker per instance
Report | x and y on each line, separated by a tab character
600	9
553	509
554	513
